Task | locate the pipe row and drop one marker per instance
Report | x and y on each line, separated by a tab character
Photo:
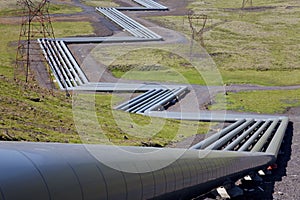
215	137
152	100
219	143
63	65
150	4
65	68
248	135
128	24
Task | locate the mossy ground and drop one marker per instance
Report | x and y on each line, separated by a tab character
252	45
271	102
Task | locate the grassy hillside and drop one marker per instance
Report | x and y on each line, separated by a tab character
11	8
251	45
31	113
28	112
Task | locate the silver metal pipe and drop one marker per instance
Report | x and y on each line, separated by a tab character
145	31
35	171
110	39
67	63
203	144
249	141
275	143
63	65
263	139
74	62
141	105
150	4
219	143
143	3
126	25
64	80
58	64
55	73
136	100
175	94
121	22
140	27
156	101
154	4
141	9
241	137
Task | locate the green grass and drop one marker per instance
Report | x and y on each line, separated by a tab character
157	65
8	40
9	36
22	118
31	113
102	3
66	29
120	128
277	101
267	78
250	45
63	9
34	114
12	9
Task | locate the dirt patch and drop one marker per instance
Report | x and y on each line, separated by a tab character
292	7
251	9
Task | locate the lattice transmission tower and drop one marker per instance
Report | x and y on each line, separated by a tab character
247	2
36	23
197	24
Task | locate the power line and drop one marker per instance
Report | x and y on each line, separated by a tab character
36	23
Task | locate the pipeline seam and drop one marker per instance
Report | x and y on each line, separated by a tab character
106	188
41	174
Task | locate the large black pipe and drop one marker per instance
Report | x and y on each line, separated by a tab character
69	171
